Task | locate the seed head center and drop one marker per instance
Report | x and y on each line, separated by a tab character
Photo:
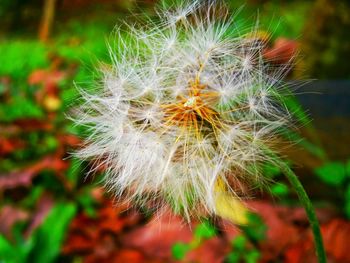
191	102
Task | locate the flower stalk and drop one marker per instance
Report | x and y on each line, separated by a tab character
310	211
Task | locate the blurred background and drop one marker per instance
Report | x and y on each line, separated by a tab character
51	212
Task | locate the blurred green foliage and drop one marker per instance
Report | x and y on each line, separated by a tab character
241	251
336	174
179	250
333	173
19	58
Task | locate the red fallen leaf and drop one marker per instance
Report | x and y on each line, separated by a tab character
19	178
98	194
229	229
115	218
79	224
282	51
9	215
9	130
103	250
83	235
280	233
48	97
49	78
78	243
56	163
9	145
336	238
69	140
111	220
28	125
129	255
43	206
156	239
298	214
213	250
20	126
108	253
5	82
25	177
301	252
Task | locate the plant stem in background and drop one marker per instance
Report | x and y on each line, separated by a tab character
47	20
298	187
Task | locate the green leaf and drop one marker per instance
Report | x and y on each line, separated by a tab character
271	170
205	230
256	228
74	171
252	256
15	60
50	235
88	203
347	209
332	173
2	88
8	252
179	250
347	167
239	242
347	193
20	108
347	202
17	252
31	199
280	189
233	257
51	143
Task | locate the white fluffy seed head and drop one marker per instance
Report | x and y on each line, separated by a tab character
188	102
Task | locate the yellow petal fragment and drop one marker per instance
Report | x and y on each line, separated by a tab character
228	206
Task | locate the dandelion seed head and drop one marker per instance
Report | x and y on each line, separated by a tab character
187	103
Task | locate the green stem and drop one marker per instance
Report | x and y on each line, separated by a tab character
304	199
